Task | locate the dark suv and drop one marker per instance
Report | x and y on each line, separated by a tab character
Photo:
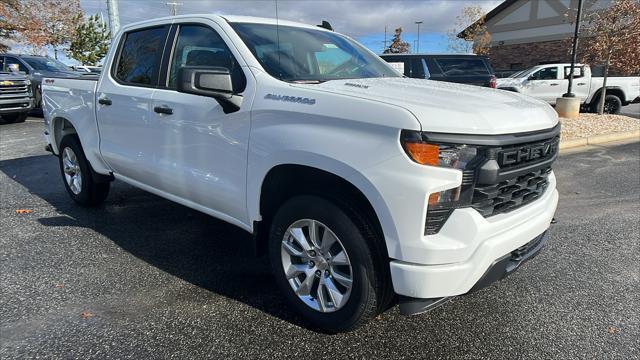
37	68
457	68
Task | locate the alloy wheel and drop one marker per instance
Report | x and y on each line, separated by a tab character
72	172
316	265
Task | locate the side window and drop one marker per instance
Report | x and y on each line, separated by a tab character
578	72
140	55
546	74
418	68
199	45
2	63
11	61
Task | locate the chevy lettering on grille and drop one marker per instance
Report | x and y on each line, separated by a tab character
528	153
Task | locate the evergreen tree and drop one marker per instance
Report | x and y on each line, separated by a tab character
90	41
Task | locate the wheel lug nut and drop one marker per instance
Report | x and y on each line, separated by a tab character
318	273
312	253
326	273
312	264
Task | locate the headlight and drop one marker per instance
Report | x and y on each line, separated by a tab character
454	156
443	155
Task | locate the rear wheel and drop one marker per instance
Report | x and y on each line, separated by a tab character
78	178
612	104
325	265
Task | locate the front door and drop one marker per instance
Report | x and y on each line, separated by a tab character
201	151
545	84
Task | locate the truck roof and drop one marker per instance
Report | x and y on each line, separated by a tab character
231	19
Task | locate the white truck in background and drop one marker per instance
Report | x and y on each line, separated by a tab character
364	188
549	82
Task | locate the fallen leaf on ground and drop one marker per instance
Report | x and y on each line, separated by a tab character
59	286
23	211
613	330
85	315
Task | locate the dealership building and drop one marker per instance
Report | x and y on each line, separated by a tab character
525	33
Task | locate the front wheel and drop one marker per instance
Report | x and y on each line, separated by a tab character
325	264
77	175
15	118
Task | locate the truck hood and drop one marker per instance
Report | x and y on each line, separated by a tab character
451	108
506	82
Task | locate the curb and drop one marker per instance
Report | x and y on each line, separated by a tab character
599	139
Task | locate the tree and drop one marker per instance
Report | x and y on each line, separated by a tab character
465	38
90	41
41	23
614	38
7	29
397	45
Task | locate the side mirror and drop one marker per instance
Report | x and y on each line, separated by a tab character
209	81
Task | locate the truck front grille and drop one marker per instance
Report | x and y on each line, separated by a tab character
16	89
510	194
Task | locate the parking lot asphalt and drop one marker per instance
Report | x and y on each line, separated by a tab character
141	277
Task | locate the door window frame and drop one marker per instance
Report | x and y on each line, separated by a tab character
169	52
117	56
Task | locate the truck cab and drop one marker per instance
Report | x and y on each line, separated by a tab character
362	187
551	81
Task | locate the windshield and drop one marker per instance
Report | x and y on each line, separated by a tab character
307	55
46	64
517	74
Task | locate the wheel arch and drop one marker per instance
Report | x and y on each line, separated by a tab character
287	179
60	127
611	90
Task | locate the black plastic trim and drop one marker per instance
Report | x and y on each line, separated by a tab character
492	140
509	263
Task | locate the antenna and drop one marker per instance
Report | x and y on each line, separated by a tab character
174	7
278	39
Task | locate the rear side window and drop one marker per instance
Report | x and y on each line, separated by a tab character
463	67
140	56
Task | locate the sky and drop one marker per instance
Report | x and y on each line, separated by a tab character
364	20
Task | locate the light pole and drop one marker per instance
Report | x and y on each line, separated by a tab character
418	47
574	53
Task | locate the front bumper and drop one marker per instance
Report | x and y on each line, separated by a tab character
492	239
500	269
15	105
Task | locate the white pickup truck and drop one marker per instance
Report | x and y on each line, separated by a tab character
364	188
549	82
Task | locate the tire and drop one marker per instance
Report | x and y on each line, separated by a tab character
612	104
15	118
344	309
85	190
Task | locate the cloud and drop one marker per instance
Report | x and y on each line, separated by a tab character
354	17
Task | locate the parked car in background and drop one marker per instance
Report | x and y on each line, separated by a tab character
456	68
95	70
16	96
363	187
549	82
36	68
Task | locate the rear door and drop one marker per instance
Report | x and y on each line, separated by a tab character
200	150
123	110
580	83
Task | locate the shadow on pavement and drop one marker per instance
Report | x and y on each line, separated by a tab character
195	247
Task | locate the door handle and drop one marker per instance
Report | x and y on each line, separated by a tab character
554	84
164	109
582	83
105	101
